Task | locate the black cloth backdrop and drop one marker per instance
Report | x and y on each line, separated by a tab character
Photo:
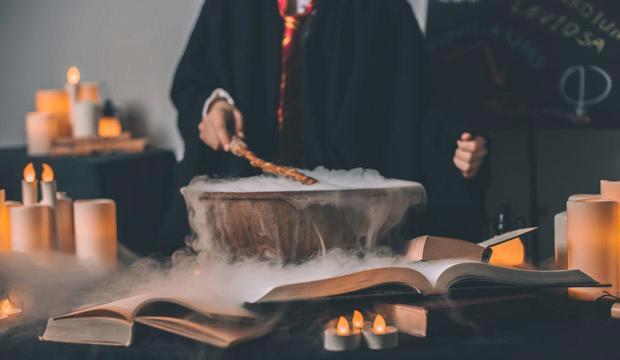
367	100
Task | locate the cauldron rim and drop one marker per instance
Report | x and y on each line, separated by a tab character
407	185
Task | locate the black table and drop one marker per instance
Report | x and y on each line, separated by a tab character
142	185
577	335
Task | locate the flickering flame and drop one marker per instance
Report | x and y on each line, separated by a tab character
48	173
357	320
342	328
379	326
7	308
73	75
29	174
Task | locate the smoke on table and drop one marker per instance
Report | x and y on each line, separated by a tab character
55	284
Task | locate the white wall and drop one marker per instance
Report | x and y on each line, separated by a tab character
133	45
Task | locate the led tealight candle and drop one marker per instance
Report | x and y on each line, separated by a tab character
341	337
381	336
109	127
41	129
95	232
64	224
592	239
55	101
31	228
29	186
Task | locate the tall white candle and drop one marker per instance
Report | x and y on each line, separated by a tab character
85	118
29	186
5	245
95	232
31	228
41	129
64	224
48	197
72	88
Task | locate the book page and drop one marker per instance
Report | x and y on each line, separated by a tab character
123	309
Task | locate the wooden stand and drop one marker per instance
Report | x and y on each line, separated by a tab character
103	145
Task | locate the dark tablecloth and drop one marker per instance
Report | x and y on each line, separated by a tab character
576	335
142	185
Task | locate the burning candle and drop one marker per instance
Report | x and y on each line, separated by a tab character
95	232
7	308
357	320
29	186
381	336
73	83
48	186
31	228
41	129
341	337
64	224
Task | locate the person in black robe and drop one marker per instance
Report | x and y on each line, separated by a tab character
366	102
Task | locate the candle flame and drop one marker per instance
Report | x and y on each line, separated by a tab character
73	75
379	326
48	173
7	308
29	174
342	327
357	320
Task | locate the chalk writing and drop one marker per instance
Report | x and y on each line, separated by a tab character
580	99
564	26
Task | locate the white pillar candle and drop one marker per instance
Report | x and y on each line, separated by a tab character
5	245
341	337
48	197
85	118
380	336
592	238
29	186
5	222
41	129
55	101
31	228
559	239
95	232
64	224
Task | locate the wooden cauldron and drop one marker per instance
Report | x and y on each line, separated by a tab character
293	226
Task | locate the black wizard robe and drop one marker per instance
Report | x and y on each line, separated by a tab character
366	97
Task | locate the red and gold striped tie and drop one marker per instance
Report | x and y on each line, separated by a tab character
290	112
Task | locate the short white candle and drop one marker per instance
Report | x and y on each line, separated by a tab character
41	129
381	336
31	228
341	337
95	232
85	119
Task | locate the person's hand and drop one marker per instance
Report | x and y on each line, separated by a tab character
214	128
470	154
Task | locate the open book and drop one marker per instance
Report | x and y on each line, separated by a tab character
112	323
434	277
428	247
